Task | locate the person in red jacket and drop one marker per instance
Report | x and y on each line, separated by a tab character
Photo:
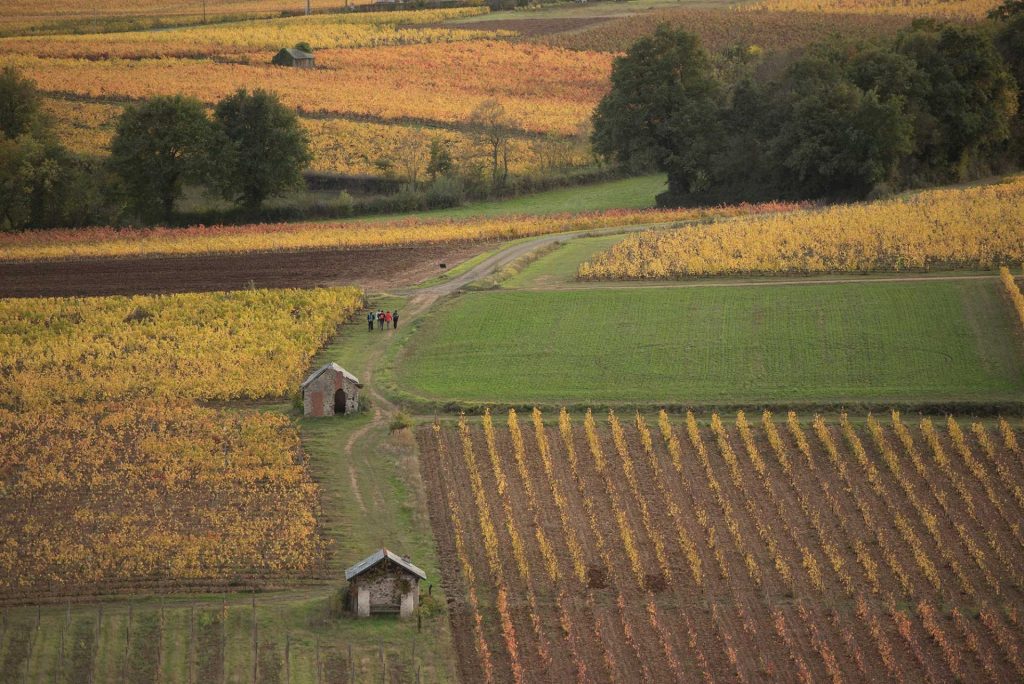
387	320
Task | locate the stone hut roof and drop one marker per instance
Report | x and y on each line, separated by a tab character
332	367
372	560
296	53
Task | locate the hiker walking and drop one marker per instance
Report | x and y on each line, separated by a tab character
394	318
387	320
369	320
380	319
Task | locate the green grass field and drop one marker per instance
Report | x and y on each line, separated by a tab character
930	341
626	193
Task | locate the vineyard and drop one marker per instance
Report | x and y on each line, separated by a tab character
553	91
25	8
943	9
719	30
111	242
978	227
749	549
113	481
338	145
247	344
111	498
320	31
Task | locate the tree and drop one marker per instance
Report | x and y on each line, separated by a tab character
1010	41
266	148
840	141
1008	10
412	156
440	162
663	110
841	121
157	147
969	97
492	129
19	103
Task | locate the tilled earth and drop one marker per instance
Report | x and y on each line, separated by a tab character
373	269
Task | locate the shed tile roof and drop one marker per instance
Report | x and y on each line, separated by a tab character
298	54
333	367
372	560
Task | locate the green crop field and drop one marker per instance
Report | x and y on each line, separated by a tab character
626	193
935	340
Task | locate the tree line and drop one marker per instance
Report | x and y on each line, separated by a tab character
251	148
248	149
937	103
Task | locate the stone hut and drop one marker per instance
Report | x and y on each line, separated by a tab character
384	583
293	57
330	391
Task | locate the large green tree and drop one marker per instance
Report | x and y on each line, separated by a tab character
266	148
663	110
842	127
969	97
158	146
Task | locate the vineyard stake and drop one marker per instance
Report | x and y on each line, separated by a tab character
255	644
60	657
223	638
191	638
318	670
127	645
287	658
160	641
96	642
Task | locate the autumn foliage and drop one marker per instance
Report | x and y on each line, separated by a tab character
977	227
120	497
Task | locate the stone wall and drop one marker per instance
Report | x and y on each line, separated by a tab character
318	397
385	590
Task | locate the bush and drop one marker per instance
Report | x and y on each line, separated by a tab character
399	422
345	202
446	192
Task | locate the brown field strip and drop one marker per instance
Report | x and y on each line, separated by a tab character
628	547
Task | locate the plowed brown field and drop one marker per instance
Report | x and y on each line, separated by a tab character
625	549
373	269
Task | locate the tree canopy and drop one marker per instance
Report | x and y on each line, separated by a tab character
937	103
158	146
663	109
266	148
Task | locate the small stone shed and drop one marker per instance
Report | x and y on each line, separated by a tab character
329	391
293	57
384	583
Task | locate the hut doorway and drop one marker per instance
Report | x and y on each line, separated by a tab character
339	402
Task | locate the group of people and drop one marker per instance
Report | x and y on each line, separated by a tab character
384	319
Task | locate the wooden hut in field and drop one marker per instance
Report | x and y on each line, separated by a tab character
384	583
293	57
330	390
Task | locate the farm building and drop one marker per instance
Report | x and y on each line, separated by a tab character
384	583
329	391
293	57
